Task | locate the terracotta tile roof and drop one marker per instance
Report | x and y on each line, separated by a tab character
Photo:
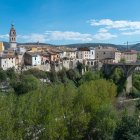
7	56
84	49
130	52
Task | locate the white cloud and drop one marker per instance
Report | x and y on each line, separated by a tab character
136	32
118	24
33	37
104	35
102	30
4	36
68	35
56	36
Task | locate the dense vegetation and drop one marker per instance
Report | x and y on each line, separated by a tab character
65	106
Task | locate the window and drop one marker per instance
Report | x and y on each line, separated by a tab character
91	63
35	58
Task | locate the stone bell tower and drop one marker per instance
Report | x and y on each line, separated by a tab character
12	37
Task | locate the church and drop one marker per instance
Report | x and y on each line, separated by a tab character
7	57
12	37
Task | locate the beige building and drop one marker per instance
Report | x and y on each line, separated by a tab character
107	54
129	56
117	57
70	54
19	60
53	56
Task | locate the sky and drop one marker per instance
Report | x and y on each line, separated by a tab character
71	21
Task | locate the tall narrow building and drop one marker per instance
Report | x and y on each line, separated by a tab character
12	37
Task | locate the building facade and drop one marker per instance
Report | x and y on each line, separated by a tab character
71	54
86	53
1	47
129	56
107	54
7	61
32	59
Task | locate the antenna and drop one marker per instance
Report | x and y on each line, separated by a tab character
127	45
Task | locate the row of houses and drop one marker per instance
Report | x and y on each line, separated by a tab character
23	57
44	57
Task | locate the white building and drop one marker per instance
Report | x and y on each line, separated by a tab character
7	61
12	37
86	53
32	59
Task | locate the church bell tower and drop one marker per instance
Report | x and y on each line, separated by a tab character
12	37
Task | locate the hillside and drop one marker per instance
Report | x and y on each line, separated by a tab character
120	47
136	47
78	45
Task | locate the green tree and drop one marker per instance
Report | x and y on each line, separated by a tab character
90	75
123	60
62	76
128	129
73	75
80	67
11	73
53	76
96	99
119	79
36	72
25	84
3	76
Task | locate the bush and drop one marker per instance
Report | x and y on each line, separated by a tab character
27	83
3	75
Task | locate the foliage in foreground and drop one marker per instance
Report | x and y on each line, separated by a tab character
69	107
60	112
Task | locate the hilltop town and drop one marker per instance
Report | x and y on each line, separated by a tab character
46	58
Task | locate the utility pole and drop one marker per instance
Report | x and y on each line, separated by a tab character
127	45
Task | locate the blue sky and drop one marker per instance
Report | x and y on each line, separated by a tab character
71	21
